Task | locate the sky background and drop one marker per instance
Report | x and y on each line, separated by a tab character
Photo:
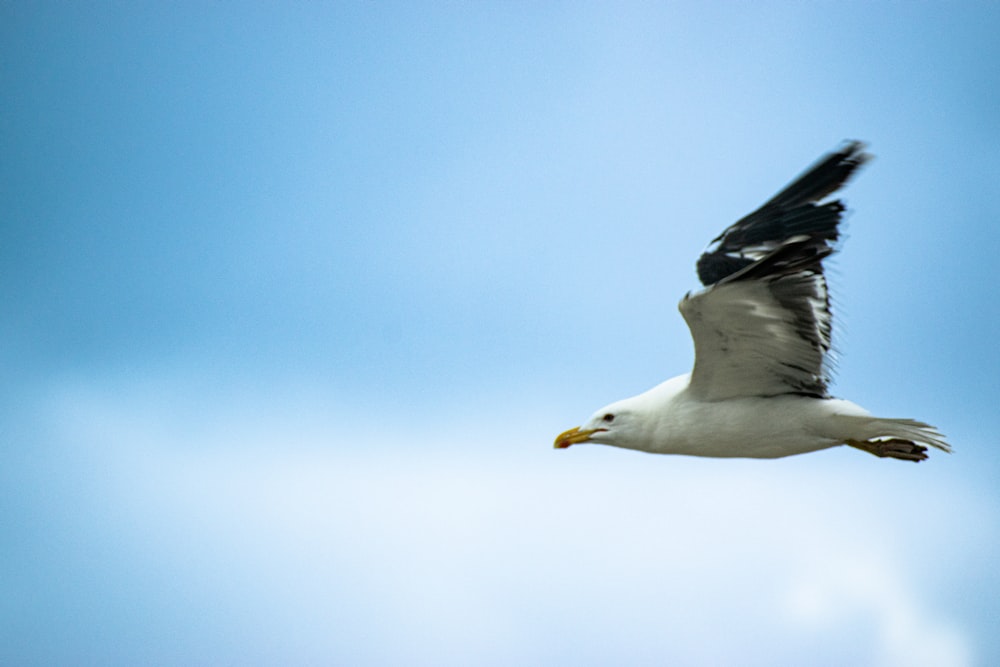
295	298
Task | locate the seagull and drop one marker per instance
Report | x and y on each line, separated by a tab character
762	329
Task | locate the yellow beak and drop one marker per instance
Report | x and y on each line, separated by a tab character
574	436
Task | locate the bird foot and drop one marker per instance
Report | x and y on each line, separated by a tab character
893	448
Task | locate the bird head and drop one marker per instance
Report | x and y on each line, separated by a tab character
607	426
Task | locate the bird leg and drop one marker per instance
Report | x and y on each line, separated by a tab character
895	448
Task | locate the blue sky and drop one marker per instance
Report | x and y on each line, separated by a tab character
296	298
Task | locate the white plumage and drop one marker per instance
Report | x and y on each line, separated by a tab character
761	330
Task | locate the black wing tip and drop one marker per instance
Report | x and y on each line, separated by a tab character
854	156
797	210
854	149
825	176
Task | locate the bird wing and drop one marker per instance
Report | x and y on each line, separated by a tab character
762	326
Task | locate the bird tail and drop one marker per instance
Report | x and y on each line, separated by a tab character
880	428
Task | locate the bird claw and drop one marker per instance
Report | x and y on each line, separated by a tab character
893	448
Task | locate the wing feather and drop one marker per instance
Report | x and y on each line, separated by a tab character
760	337
762	326
795	211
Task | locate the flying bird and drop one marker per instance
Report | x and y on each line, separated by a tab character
761	329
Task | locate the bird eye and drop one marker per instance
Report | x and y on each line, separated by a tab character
609	418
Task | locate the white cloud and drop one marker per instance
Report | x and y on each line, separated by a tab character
504	554
855	583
